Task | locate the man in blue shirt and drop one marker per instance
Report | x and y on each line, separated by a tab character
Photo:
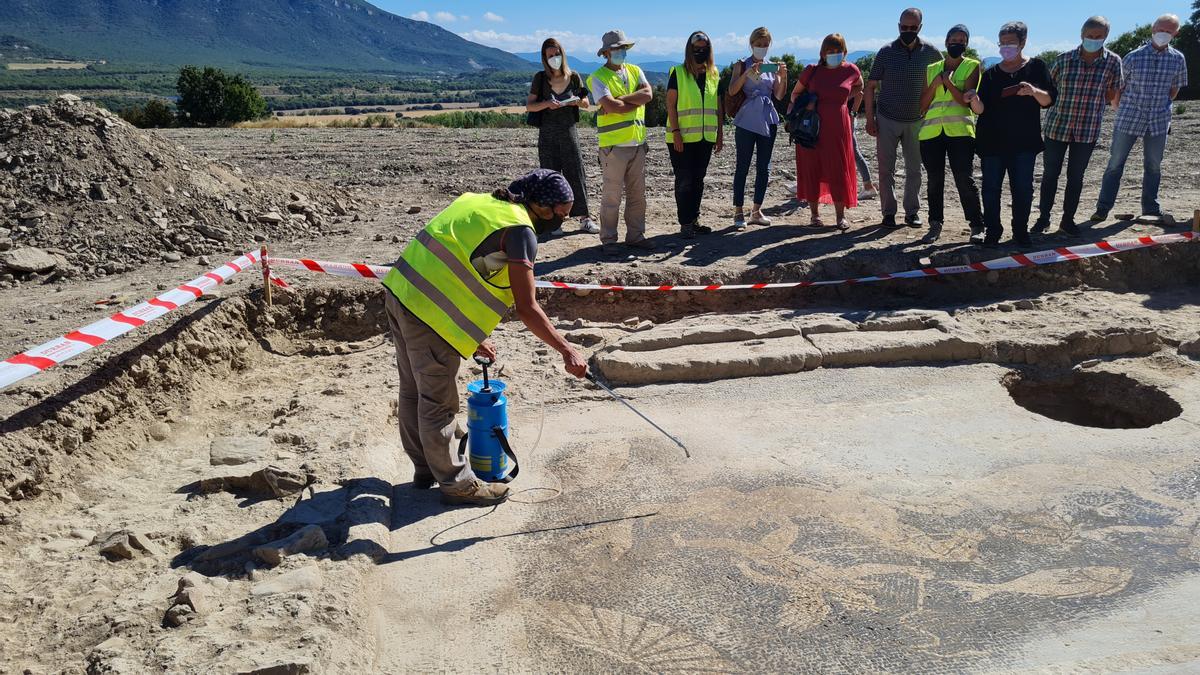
1154	74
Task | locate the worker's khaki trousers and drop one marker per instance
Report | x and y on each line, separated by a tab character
624	171
428	367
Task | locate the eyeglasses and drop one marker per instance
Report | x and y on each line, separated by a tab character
698	37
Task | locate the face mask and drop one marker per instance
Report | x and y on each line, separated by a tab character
908	37
1161	38
1009	52
701	55
555	62
546	225
956	50
834	60
1090	45
760	53
617	57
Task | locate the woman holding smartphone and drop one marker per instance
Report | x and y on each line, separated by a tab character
1008	135
557	94
755	123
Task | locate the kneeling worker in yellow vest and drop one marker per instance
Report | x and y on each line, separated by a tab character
447	292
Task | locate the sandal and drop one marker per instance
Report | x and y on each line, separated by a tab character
842	226
816	222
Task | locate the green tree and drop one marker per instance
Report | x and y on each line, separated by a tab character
656	109
1188	42
1131	40
157	115
1049	55
210	97
972	53
864	64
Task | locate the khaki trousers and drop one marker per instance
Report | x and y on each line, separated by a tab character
624	170
429	402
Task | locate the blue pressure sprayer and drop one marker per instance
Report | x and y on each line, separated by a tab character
486	440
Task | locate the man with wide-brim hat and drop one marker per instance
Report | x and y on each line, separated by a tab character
614	39
622	91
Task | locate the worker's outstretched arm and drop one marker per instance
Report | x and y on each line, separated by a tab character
531	314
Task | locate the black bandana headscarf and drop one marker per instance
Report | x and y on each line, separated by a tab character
542	186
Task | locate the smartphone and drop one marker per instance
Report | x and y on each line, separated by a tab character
768	68
568	101
1010	91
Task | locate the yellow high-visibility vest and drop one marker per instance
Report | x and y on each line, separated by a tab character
435	280
617	129
697	109
945	115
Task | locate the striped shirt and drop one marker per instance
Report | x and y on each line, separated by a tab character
1082	94
900	72
1150	75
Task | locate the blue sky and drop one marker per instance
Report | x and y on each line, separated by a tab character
798	27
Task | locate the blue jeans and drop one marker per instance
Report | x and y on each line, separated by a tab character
1052	163
747	142
1019	167
1153	148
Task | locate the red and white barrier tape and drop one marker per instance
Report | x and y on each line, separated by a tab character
72	344
1016	261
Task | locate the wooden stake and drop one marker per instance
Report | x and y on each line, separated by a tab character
266	267
1196	221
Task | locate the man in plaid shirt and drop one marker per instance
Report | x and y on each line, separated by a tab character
1154	74
1088	77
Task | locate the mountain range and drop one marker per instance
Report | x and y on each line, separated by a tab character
331	35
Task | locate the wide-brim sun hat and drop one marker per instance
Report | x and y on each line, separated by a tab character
613	39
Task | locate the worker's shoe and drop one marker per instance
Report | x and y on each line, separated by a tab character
474	493
423	481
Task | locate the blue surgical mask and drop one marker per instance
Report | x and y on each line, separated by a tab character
1090	45
617	57
834	60
1010	52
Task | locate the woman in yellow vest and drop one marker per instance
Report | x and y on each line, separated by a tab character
694	114
454	282
948	130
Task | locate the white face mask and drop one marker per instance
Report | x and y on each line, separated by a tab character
760	53
1161	38
555	62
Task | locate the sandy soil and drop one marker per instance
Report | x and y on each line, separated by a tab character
846	518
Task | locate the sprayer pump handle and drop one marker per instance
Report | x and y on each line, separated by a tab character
483	360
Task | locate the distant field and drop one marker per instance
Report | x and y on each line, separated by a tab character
306	121
55	65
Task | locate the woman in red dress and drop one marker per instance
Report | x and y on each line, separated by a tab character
825	174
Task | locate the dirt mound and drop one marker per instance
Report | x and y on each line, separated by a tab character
101	197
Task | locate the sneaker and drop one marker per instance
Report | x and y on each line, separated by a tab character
588	225
1040	227
914	220
889	221
977	237
643	244
687	231
423	481
1098	217
864	195
739	221
474	493
559	232
757	218
1069	227
701	229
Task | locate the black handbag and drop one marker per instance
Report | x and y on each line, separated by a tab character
534	119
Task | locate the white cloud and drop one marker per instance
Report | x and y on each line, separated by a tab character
420	16
493	17
445	17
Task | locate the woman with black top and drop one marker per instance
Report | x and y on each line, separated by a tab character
1010	100
555	98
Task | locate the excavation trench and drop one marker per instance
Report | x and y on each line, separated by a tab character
312	377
